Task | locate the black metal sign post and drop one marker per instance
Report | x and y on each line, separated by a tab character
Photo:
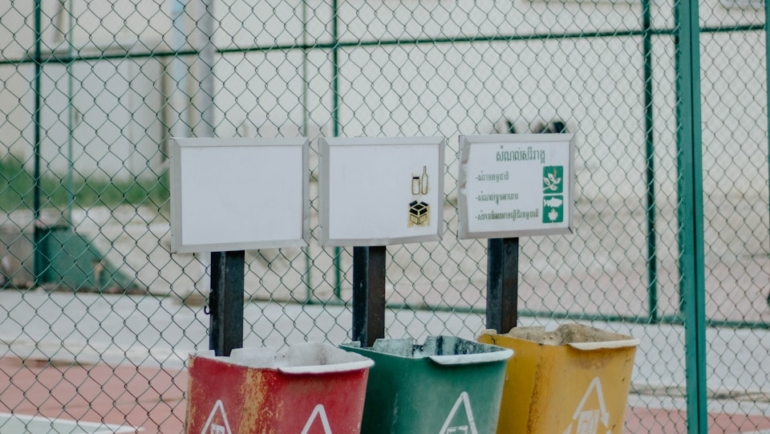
502	284
226	301
540	178
368	294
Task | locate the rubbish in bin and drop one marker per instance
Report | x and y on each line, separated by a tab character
310	388
446	386
574	380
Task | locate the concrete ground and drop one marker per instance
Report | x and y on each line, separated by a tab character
120	359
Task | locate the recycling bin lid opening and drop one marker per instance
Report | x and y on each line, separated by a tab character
302	358
577	336
444	350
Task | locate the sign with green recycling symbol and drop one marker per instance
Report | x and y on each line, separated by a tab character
514	185
553	203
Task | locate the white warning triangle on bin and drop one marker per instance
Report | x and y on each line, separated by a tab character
470	427
587	421
217	425
318	412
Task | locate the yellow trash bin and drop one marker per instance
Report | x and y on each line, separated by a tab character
574	380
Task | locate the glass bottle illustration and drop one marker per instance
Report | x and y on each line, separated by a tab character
415	185
419	211
424	181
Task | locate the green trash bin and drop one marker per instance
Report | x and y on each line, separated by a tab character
446	386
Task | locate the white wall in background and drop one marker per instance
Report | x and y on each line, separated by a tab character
594	84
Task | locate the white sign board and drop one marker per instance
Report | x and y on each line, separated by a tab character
380	191
239	194
516	185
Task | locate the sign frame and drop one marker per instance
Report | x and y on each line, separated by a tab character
178	147
326	143
462	201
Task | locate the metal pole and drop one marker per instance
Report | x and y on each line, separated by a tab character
304	69
336	129
70	114
502	283
226	301
652	259
179	70
680	187
227	269
767	70
37	235
207	51
691	212
368	294
305	120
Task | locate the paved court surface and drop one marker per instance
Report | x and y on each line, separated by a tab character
121	395
120	360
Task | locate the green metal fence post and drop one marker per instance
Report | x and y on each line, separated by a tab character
691	212
767	86
206	24
336	127
70	11
652	258
305	119
680	176
38	265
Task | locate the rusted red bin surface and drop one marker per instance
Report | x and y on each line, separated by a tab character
310	388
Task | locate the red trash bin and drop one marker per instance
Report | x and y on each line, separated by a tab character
310	388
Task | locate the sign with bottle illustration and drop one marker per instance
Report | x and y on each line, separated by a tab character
515	185
381	191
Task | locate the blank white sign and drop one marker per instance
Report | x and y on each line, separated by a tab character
238	194
368	188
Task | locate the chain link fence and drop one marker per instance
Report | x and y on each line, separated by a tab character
97	317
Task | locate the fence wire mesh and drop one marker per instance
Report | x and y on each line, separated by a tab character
97	317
